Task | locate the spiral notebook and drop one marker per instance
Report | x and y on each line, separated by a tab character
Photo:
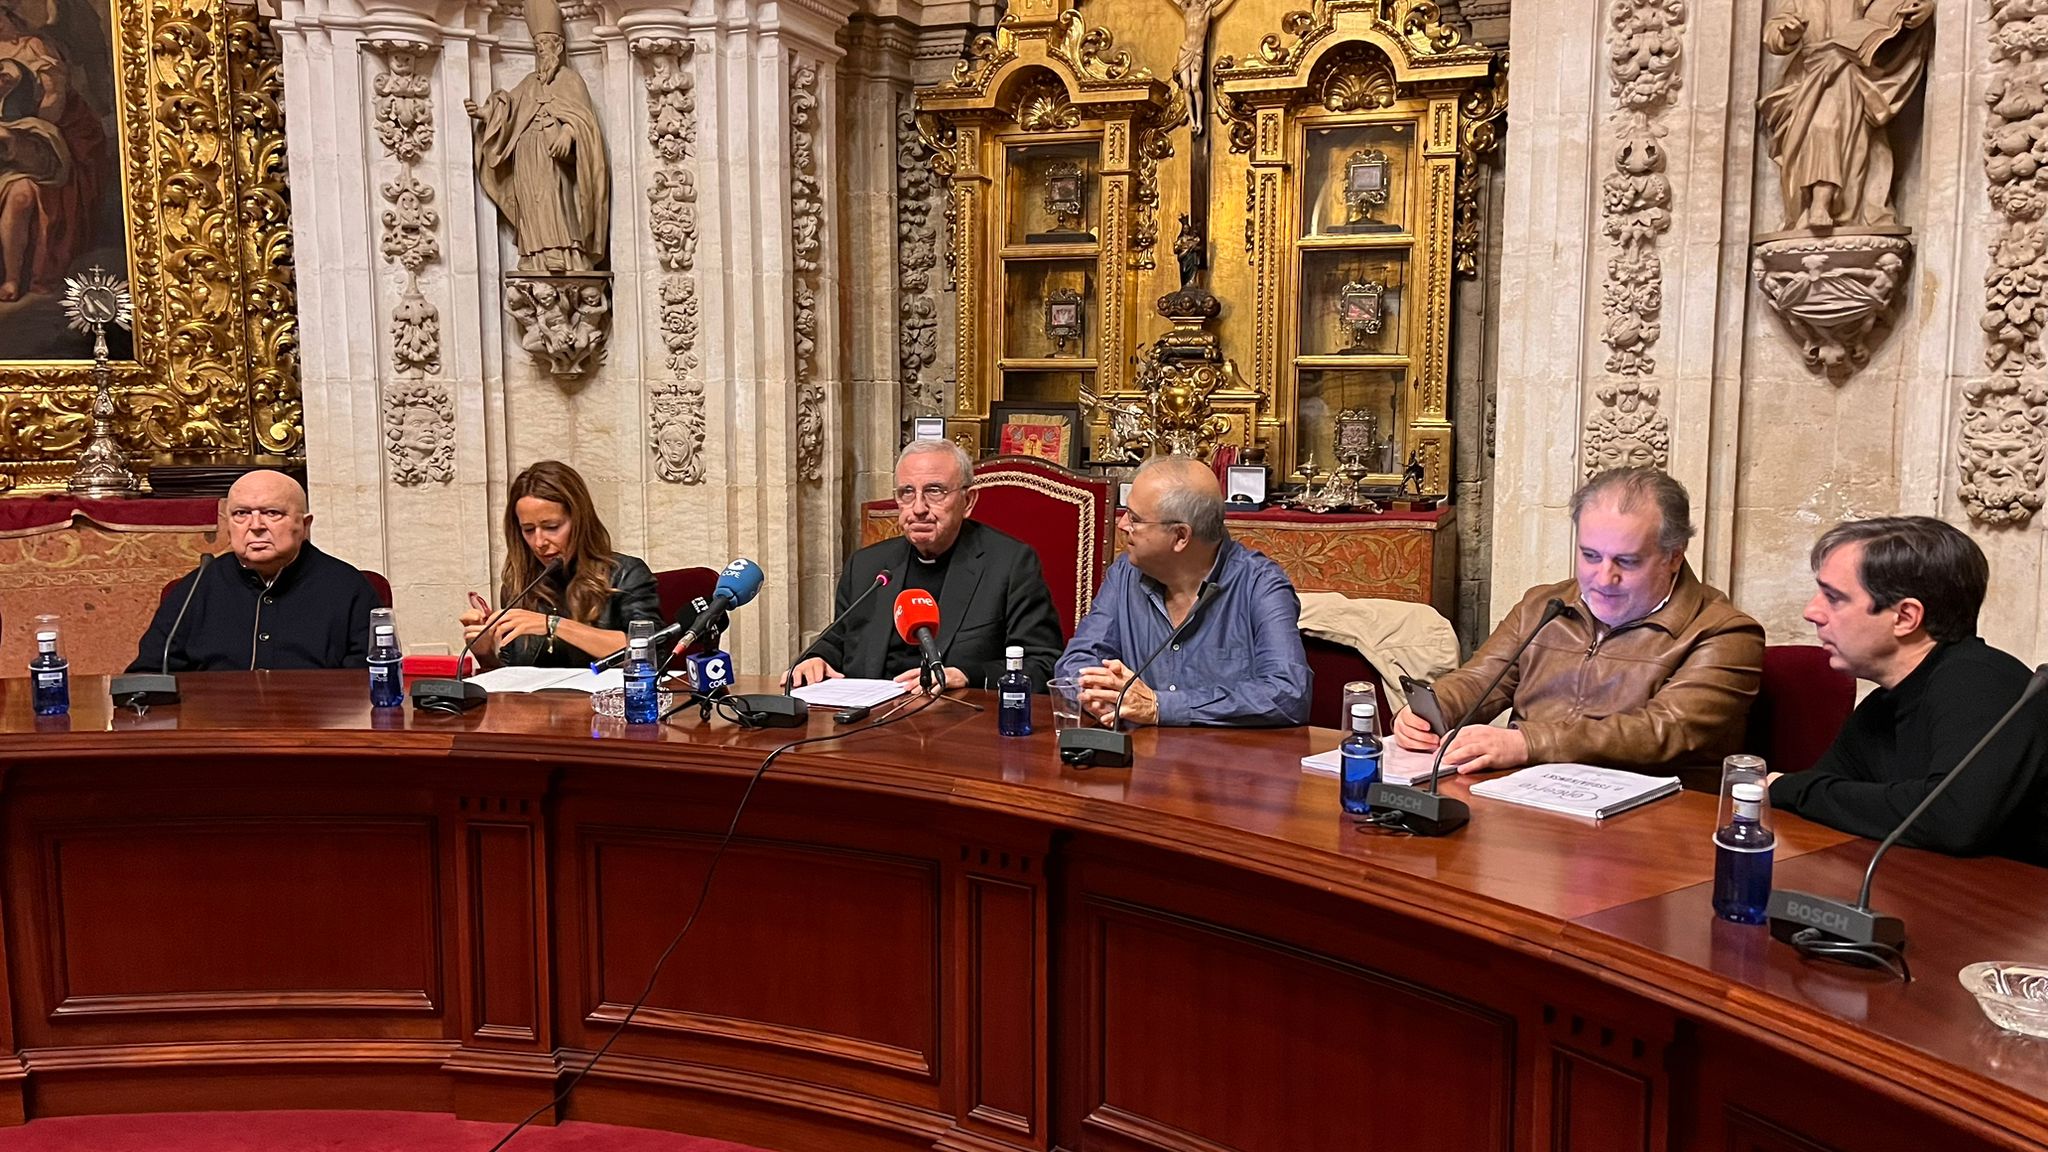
1578	789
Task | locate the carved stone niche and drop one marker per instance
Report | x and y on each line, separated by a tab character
563	318
1833	291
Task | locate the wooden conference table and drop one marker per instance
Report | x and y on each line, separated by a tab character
928	936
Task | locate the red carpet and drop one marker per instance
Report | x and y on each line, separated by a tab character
329	1132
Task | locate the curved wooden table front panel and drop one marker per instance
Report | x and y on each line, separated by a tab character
928	937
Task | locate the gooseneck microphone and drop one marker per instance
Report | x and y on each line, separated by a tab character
1109	747
1833	930
146	689
781	709
1427	813
459	695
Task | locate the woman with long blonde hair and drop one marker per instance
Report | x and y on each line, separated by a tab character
580	611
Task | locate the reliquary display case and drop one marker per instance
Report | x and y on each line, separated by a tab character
1362	125
1048	140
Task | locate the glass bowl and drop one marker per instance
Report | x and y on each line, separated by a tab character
612	702
2013	996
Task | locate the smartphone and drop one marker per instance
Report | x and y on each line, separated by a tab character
1422	702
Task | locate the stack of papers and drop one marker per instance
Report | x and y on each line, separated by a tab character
1397	764
848	692
1577	789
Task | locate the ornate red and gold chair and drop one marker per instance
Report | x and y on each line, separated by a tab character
1066	517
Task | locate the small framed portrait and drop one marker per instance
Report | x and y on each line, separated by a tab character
1244	487
1365	182
1049	432
1063	320
928	428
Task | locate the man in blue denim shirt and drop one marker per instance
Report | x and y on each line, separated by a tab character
1241	663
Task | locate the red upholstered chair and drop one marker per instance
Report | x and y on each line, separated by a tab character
676	587
1335	665
378	584
1799	708
1069	519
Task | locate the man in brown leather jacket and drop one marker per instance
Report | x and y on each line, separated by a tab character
1646	669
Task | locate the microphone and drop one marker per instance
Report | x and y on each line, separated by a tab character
917	621
1819	926
653	642
1426	813
459	695
738	584
143	689
1107	747
781	709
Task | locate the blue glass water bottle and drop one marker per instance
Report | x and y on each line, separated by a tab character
50	672
643	700
1013	695
1742	856
1360	754
387	675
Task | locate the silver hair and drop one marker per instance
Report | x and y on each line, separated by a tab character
1624	488
962	462
1198	507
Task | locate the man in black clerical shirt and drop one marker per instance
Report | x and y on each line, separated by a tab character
278	602
1897	604
990	588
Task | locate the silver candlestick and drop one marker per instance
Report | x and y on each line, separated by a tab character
92	302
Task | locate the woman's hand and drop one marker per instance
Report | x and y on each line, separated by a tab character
515	623
472	628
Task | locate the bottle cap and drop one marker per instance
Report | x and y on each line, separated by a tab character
46	637
1363	709
386	630
1747	793
1014	652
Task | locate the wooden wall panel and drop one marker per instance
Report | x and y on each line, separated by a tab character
506	995
242	915
1597	1107
843	965
1231	1041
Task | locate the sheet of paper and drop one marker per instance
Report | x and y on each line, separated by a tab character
848	693
518	678
1397	764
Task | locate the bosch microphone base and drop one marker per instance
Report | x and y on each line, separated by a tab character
1423	813
147	688
1791	912
448	695
770	710
1095	747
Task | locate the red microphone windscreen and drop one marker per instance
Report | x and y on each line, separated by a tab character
915	609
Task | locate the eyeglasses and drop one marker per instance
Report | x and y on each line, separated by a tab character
934	494
268	515
1134	520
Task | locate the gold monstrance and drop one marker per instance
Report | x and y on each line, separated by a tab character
93	301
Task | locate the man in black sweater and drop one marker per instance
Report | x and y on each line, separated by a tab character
278	602
990	587
1897	604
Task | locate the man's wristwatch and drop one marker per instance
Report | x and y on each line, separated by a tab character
553	623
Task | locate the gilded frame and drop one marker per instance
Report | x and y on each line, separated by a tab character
214	378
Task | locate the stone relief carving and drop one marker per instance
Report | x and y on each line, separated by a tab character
1834	273
917	242
807	221
418	414
675	411
541	158
2005	418
419	432
1645	40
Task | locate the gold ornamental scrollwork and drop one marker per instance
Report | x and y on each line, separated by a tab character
1043	106
202	168
1357	85
1088	52
1483	120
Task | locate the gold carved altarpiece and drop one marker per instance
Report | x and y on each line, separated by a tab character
214	377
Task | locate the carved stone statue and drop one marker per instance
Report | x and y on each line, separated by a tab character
540	154
1854	64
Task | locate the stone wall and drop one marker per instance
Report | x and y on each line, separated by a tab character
1635	170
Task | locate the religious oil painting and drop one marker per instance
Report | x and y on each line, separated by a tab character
61	208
